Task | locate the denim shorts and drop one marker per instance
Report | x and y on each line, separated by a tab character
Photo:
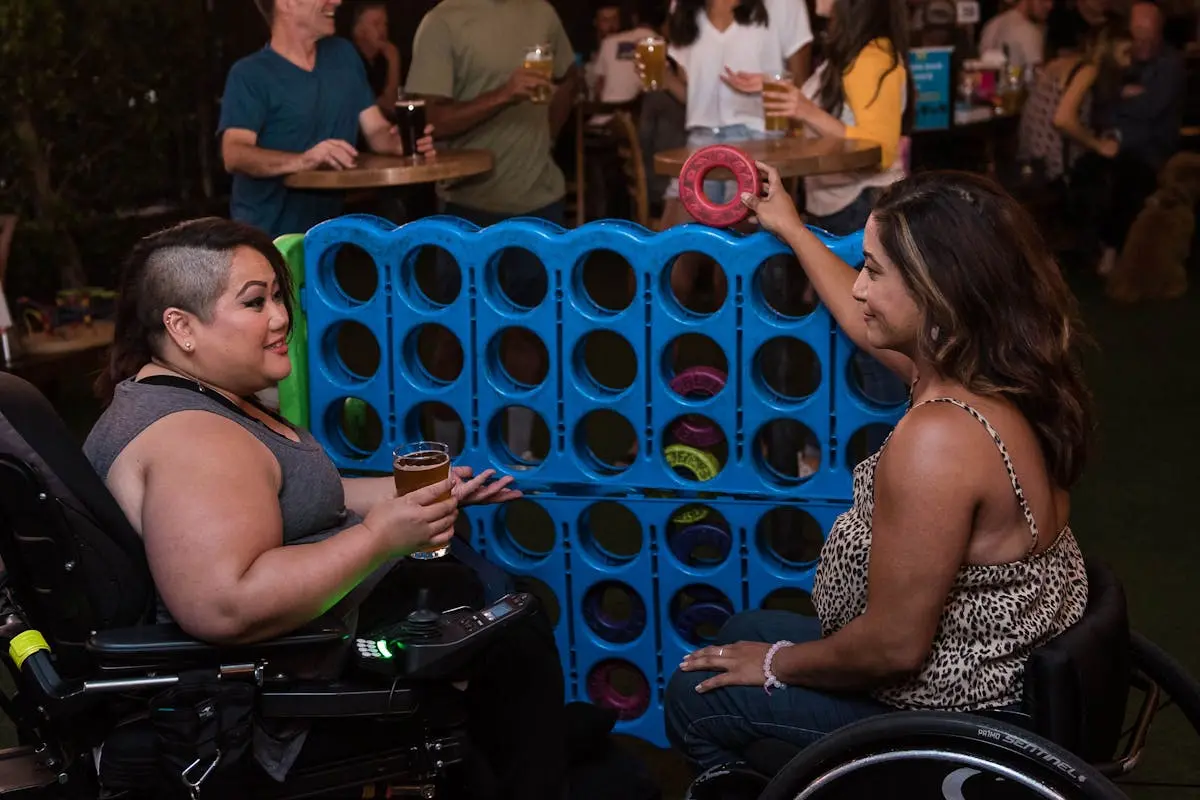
719	192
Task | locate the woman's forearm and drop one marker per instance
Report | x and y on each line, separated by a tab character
853	659
823	123
289	586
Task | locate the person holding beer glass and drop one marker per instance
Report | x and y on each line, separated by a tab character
708	40
248	528
299	104
859	92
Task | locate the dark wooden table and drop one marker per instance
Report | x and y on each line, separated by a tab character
794	157
376	171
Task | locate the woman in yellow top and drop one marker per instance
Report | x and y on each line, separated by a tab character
859	92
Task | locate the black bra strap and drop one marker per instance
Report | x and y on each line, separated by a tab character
184	383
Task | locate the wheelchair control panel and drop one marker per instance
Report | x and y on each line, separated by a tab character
427	644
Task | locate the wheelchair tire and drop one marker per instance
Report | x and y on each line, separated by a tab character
1160	667
937	754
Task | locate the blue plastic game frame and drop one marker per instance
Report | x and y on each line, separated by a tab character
480	313
571	569
745	576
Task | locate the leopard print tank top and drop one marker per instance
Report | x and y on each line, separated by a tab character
994	615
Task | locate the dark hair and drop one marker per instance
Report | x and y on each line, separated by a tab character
586	25
1006	322
185	266
364	7
683	26
651	13
855	24
1100	45
267	9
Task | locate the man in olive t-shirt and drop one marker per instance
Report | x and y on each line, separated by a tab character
468	58
468	62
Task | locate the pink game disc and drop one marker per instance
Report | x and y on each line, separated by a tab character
691	185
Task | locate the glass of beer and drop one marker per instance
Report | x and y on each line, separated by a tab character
540	58
410	123
775	83
417	465
651	54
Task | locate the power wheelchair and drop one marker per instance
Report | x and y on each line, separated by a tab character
107	703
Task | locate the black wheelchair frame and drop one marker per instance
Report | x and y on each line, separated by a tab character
87	660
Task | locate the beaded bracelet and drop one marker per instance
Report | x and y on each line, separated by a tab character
772	682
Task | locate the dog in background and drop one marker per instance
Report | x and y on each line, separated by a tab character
1153	262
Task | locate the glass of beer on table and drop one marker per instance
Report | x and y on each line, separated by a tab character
776	83
651	54
540	58
417	465
410	123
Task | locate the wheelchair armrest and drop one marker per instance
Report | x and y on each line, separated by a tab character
168	641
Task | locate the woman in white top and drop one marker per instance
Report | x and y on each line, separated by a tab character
709	37
710	40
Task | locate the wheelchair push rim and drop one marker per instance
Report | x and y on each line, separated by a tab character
936	754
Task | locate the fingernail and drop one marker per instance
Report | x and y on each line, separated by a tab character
745	196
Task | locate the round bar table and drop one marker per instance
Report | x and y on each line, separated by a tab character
376	171
794	157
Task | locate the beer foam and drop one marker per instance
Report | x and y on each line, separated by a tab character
422	459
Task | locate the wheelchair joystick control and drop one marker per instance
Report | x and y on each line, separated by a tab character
427	644
422	623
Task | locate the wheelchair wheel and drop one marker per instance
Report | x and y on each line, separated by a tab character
942	755
1169	674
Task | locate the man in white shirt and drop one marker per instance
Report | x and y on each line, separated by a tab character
1019	32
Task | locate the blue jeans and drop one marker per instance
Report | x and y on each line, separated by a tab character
714	728
719	192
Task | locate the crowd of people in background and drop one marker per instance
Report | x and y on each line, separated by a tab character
1102	117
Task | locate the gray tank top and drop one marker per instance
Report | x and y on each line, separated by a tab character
311	498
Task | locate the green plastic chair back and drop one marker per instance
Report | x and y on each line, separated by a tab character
293	390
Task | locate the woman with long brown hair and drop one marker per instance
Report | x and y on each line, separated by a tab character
956	557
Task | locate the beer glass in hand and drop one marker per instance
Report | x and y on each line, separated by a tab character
540	58
651	56
776	83
419	464
410	124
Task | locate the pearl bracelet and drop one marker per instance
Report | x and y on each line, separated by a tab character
772	682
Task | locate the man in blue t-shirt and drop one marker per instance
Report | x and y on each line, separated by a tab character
297	105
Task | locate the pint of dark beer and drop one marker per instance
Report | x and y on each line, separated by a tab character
410	123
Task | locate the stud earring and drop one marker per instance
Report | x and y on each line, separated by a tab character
934	333
188	346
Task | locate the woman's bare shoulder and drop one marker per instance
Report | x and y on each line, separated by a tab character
193	439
